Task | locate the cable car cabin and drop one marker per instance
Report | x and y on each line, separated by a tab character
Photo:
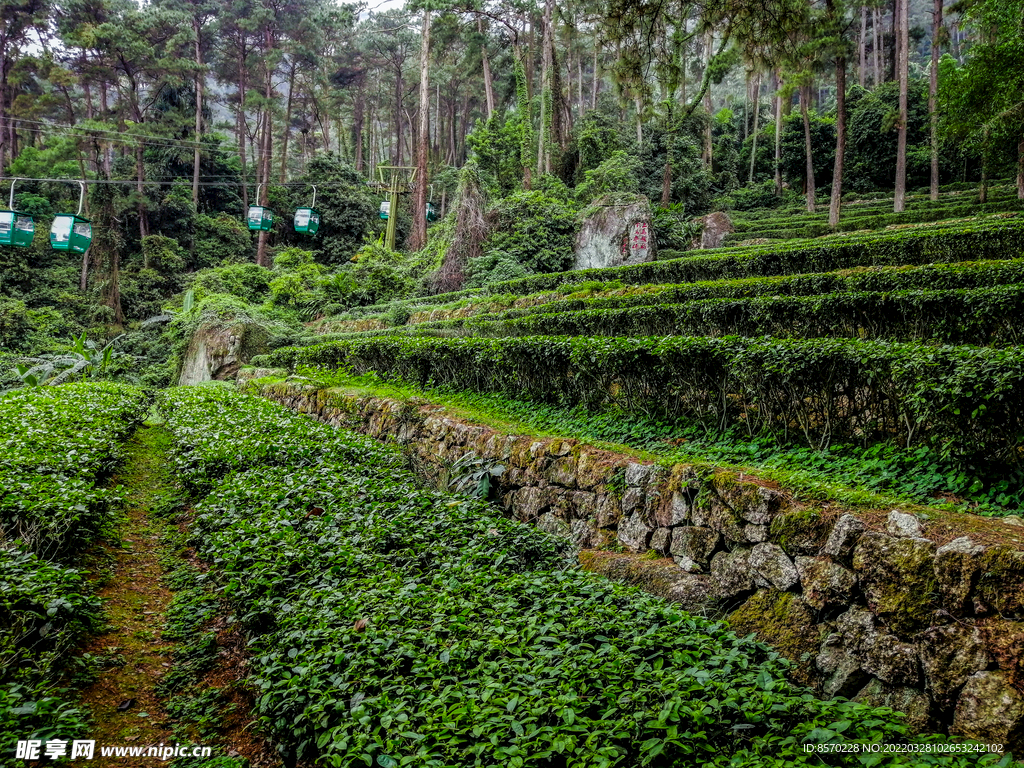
70	233
385	209
431	212
307	220
260	218
16	228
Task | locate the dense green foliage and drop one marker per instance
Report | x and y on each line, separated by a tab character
60	442
980	316
395	625
963	400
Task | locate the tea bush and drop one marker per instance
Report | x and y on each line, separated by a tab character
59	442
964	400
392	625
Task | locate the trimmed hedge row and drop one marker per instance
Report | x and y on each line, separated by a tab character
967	402
949	194
964	275
870	218
927	245
982	316
393	625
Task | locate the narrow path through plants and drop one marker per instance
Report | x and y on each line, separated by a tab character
131	655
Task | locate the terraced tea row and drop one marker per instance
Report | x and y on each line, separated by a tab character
932	245
964	400
395	625
980	316
59	441
930	277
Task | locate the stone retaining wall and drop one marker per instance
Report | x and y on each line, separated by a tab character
923	615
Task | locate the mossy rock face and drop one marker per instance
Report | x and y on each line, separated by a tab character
910	701
1002	581
801	532
898	580
786	623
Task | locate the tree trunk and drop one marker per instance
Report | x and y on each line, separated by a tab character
83	277
757	115
545	91
933	90
140	178
597	77
902	50
488	82
805	96
778	133
241	128
836	200
357	130
876	48
708	158
267	145
418	236
983	190
286	131
862	45
197	28
1020	169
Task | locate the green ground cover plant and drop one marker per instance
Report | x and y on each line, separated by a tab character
394	625
60	442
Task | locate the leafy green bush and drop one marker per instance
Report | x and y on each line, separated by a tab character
221	239
532	230
59	440
248	282
966	401
392	624
615	176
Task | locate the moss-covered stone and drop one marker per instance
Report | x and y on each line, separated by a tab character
1001	584
801	531
786	623
898	580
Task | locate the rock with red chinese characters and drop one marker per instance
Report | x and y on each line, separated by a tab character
615	234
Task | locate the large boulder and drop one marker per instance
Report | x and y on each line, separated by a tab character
713	229
615	235
217	350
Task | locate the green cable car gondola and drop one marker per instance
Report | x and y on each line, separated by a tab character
71	231
259	217
16	228
431	212
308	219
385	207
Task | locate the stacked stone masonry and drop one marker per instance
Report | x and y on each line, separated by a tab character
868	605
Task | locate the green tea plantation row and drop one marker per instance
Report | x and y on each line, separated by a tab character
980	316
577	298
964	400
1003	239
394	625
59	442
